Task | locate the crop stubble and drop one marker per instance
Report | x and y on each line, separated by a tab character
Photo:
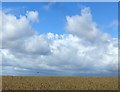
58	83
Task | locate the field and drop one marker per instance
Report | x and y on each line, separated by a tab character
59	83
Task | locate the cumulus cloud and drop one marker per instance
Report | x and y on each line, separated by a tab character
26	53
15	28
37	45
33	16
19	36
84	27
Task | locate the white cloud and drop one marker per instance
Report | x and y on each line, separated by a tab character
53	54
18	35
37	45
15	28
33	16
84	27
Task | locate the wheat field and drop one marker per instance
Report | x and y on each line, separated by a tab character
59	83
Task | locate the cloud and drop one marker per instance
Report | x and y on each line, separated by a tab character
37	45
15	28
114	23
33	16
18	35
25	52
68	54
48	6
84	27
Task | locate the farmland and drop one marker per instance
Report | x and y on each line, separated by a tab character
59	83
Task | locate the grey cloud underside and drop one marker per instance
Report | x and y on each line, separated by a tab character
24	52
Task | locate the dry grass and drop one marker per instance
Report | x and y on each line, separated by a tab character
59	83
0	83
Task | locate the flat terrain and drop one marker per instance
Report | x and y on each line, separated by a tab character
59	83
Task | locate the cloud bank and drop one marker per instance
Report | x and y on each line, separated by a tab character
85	50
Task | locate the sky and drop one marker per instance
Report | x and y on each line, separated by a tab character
59	39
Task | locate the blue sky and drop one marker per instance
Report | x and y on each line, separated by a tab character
64	39
103	14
